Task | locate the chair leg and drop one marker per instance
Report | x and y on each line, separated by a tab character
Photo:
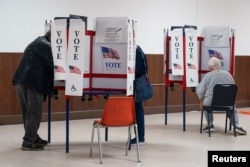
99	143
106	133
201	121
234	123
137	143
230	125
208	120
227	117
128	140
92	138
226	122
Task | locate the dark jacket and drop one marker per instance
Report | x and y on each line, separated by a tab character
140	63
36	69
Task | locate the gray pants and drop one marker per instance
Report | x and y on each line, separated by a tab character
211	117
31	102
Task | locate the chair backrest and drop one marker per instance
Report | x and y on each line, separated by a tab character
119	111
224	95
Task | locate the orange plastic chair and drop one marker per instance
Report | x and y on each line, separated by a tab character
118	112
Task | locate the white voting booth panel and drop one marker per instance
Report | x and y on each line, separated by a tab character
181	66
100	61
216	44
114	54
110	58
60	83
71	49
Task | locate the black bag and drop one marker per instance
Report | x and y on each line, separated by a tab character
143	89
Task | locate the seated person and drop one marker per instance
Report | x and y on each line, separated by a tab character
204	91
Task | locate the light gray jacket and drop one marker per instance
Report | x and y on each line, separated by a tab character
204	90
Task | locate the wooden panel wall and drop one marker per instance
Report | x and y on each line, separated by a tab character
8	102
9	105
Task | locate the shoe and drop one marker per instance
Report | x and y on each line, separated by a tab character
240	130
40	141
206	129
33	147
133	142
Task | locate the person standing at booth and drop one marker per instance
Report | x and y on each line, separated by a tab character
140	70
204	91
33	81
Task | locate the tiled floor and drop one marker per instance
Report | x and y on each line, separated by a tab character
165	145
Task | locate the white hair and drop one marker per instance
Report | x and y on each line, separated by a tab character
213	63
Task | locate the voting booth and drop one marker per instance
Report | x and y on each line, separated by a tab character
217	42
186	57
114	54
97	62
101	60
180	61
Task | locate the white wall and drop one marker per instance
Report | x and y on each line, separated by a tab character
23	20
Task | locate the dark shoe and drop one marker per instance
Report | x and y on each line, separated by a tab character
33	147
206	129
133	142
42	142
240	130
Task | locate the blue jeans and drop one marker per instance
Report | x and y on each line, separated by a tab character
140	121
31	102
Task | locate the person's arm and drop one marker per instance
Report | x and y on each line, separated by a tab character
201	90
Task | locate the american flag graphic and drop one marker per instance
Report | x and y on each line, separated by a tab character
74	69
106	52
215	53
191	66
59	69
110	53
177	66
